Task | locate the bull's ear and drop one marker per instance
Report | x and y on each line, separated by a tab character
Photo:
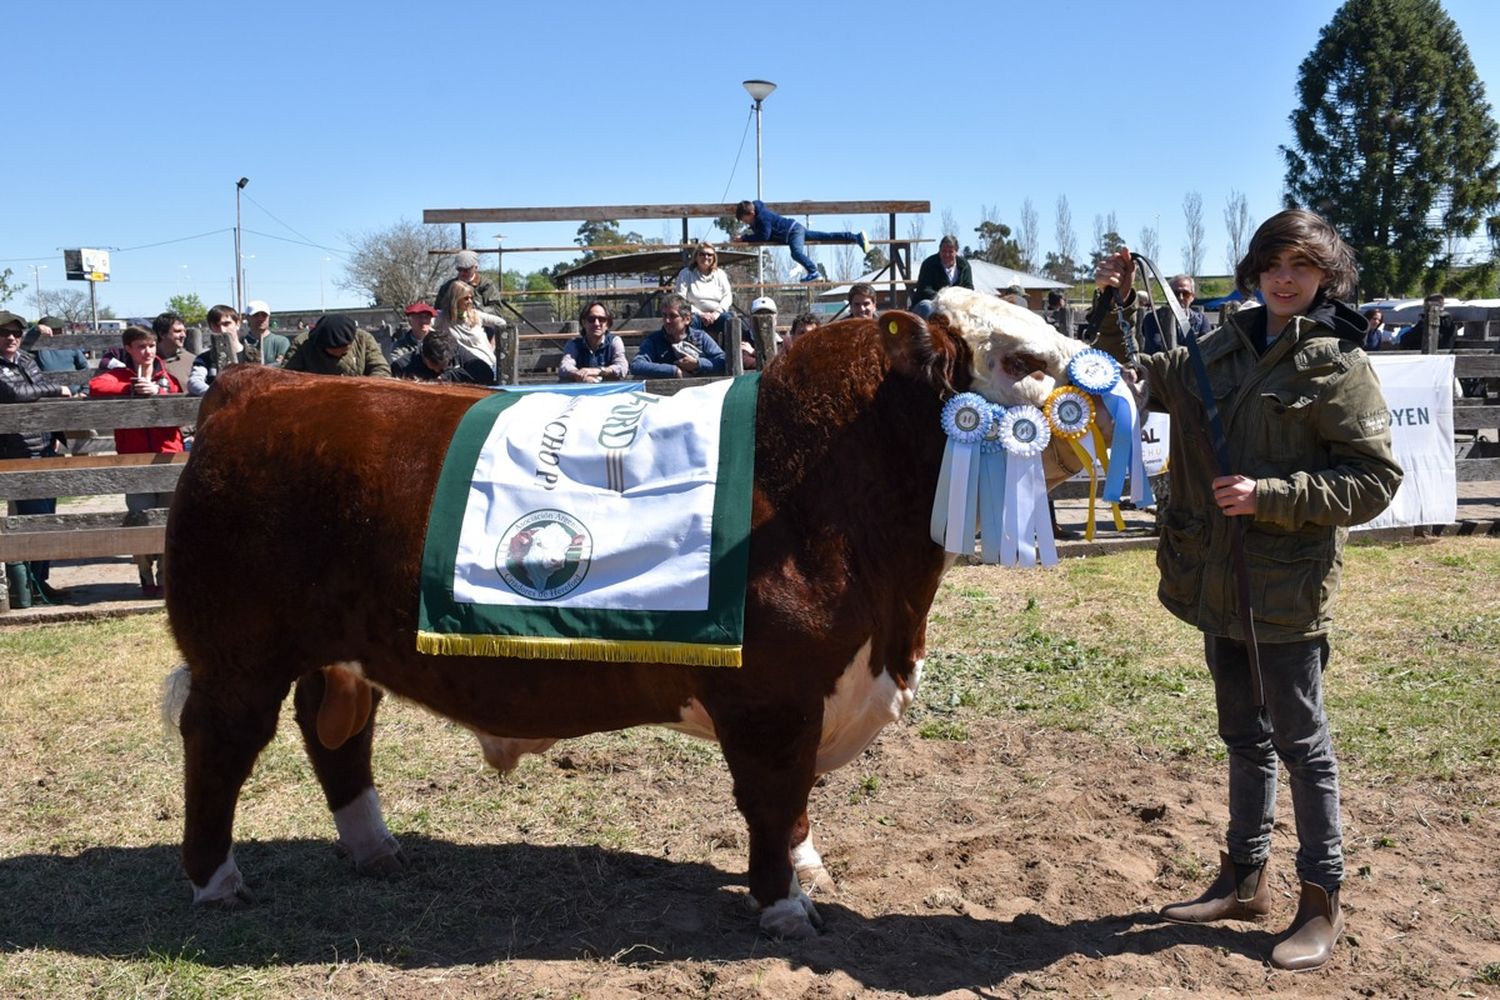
932	352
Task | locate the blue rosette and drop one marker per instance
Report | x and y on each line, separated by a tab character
1094	371
966	419
1026	523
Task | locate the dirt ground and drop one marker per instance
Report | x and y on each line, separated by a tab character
1022	863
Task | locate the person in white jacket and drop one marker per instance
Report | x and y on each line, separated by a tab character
706	287
467	323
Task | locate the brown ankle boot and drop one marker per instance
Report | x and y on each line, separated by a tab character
1239	893
1315	929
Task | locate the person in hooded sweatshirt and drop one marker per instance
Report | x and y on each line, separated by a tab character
337	346
1309	443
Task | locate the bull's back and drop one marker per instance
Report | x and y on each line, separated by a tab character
304	505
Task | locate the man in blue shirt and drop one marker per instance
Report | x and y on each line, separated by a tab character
765	226
678	349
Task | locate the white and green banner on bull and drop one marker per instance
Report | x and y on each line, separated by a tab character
605	523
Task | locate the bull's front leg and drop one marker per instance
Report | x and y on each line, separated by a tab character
771	755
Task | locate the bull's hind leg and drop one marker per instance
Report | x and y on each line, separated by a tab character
228	717
336	713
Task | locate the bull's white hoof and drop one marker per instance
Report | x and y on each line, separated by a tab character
389	861
364	837
811	875
225	888
791	918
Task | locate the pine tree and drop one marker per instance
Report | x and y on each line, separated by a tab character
1393	140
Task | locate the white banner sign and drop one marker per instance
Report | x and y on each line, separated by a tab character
1419	391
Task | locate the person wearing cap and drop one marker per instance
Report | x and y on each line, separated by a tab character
419	319
486	297
337	346
21	382
260	344
1016	295
596	354
942	270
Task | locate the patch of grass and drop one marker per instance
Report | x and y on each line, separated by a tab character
943	729
1087	647
1489	975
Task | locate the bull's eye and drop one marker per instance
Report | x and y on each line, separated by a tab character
1020	365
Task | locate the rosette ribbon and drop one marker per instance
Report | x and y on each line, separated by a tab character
1070	415
966	420
1026	525
1096	372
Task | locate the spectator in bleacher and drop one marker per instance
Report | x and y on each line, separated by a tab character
171	345
223	320
941	270
706	287
1159	320
21	382
486	296
337	346
861	300
596	354
440	358
260	344
57	359
1059	314
419	319
801	323
468	323
142	376
765	226
678	349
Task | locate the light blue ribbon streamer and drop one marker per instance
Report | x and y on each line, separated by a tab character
992	493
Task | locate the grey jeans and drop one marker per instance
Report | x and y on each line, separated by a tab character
1293	728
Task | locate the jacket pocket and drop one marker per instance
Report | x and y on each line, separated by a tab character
1290	436
1289	577
1179	557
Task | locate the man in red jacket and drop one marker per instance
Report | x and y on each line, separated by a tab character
144	376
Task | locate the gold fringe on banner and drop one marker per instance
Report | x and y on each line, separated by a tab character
685	654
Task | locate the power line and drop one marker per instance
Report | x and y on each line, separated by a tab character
283	239
737	154
263	208
180	239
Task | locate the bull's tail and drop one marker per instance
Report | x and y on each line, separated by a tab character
174	694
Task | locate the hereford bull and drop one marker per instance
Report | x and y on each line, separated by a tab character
326	484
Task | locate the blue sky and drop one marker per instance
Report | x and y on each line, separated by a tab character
128	124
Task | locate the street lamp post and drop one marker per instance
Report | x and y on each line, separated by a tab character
239	263
36	283
759	90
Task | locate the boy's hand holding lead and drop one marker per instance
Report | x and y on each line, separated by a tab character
1116	271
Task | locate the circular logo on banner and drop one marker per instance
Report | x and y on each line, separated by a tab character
544	555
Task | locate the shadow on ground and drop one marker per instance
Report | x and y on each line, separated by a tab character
481	904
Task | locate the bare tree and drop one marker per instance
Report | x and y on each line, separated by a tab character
847	264
1150	247
393	266
950	223
1030	237
1067	240
915	227
1192	247
1238	224
72	304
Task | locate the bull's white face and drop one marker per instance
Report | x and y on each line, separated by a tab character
1018	356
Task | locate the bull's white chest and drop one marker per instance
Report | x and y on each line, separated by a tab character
861	704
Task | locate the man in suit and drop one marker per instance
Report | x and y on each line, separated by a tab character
942	269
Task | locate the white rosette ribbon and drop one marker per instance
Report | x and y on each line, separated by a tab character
1026	529
966	420
1098	373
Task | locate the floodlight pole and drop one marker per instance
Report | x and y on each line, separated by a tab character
759	90
239	261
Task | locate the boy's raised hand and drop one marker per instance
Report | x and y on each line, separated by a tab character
1116	271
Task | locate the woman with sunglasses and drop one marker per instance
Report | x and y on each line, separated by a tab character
707	290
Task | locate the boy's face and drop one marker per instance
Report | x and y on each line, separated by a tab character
142	352
747	216
1289	284
862	307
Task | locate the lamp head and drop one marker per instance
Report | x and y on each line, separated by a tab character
242	182
759	89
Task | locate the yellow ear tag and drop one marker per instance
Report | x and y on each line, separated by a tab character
894	328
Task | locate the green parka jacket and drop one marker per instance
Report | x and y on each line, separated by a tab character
1308	422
